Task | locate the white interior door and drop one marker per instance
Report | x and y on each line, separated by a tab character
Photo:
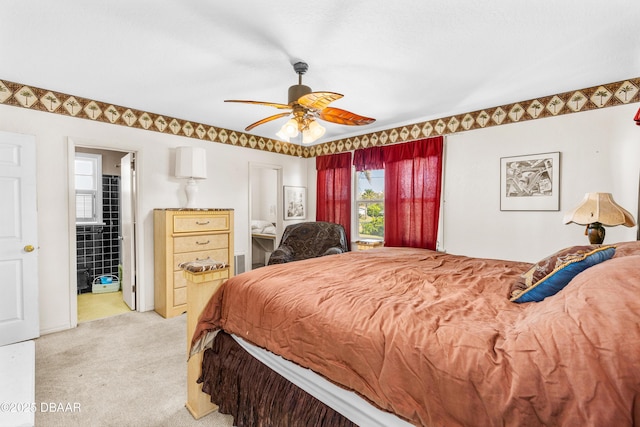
127	225
18	239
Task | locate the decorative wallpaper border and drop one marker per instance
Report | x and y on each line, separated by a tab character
33	98
593	98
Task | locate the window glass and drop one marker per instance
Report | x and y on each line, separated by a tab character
85	166
85	183
370	204
85	207
88	186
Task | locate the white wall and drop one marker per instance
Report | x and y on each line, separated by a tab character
226	187
264	194
600	151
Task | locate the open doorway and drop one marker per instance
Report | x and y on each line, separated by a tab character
104	194
265	201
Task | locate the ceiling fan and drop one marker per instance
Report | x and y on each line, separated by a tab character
307	106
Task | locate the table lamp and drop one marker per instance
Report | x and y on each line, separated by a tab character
596	210
191	163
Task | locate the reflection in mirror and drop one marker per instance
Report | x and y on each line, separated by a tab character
264	208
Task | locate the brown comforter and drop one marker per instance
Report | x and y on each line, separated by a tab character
433	337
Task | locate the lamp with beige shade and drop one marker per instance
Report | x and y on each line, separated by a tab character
596	210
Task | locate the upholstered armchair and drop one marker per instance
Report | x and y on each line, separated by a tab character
310	240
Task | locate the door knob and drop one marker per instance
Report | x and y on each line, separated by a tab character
29	248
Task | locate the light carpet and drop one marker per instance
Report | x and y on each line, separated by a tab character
126	370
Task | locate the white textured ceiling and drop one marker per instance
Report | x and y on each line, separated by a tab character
397	61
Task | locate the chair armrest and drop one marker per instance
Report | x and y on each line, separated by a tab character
281	255
333	251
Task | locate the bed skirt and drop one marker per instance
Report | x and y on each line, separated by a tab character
255	395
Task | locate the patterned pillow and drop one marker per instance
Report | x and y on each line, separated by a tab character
550	275
200	265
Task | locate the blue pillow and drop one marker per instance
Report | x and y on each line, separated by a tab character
548	276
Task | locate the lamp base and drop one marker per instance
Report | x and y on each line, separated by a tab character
596	233
192	192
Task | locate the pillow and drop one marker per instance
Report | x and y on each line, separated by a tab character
258	225
627	248
269	229
548	276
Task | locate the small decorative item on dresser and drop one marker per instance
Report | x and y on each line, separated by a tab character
365	244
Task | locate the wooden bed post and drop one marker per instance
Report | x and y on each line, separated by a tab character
200	288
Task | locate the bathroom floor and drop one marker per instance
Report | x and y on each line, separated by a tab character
99	305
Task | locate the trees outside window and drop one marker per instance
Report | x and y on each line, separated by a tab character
370	204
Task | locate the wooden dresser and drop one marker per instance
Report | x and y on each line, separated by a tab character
182	235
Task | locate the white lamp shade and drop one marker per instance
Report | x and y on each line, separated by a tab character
191	162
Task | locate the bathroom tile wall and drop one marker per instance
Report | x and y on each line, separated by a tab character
98	246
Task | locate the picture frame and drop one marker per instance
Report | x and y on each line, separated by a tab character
295	202
530	182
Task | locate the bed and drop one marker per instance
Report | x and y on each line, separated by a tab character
430	339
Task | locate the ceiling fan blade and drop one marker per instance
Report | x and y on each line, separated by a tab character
268	104
318	100
343	117
266	119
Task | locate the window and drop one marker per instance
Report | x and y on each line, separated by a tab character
88	185
370	204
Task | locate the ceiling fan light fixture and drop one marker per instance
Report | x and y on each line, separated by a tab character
312	133
307	106
289	130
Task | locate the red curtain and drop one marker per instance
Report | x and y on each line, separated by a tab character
413	174
334	190
367	159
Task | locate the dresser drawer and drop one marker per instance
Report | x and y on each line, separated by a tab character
200	223
180	297
179	281
200	243
221	255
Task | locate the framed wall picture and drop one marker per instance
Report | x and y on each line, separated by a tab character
530	183
295	202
